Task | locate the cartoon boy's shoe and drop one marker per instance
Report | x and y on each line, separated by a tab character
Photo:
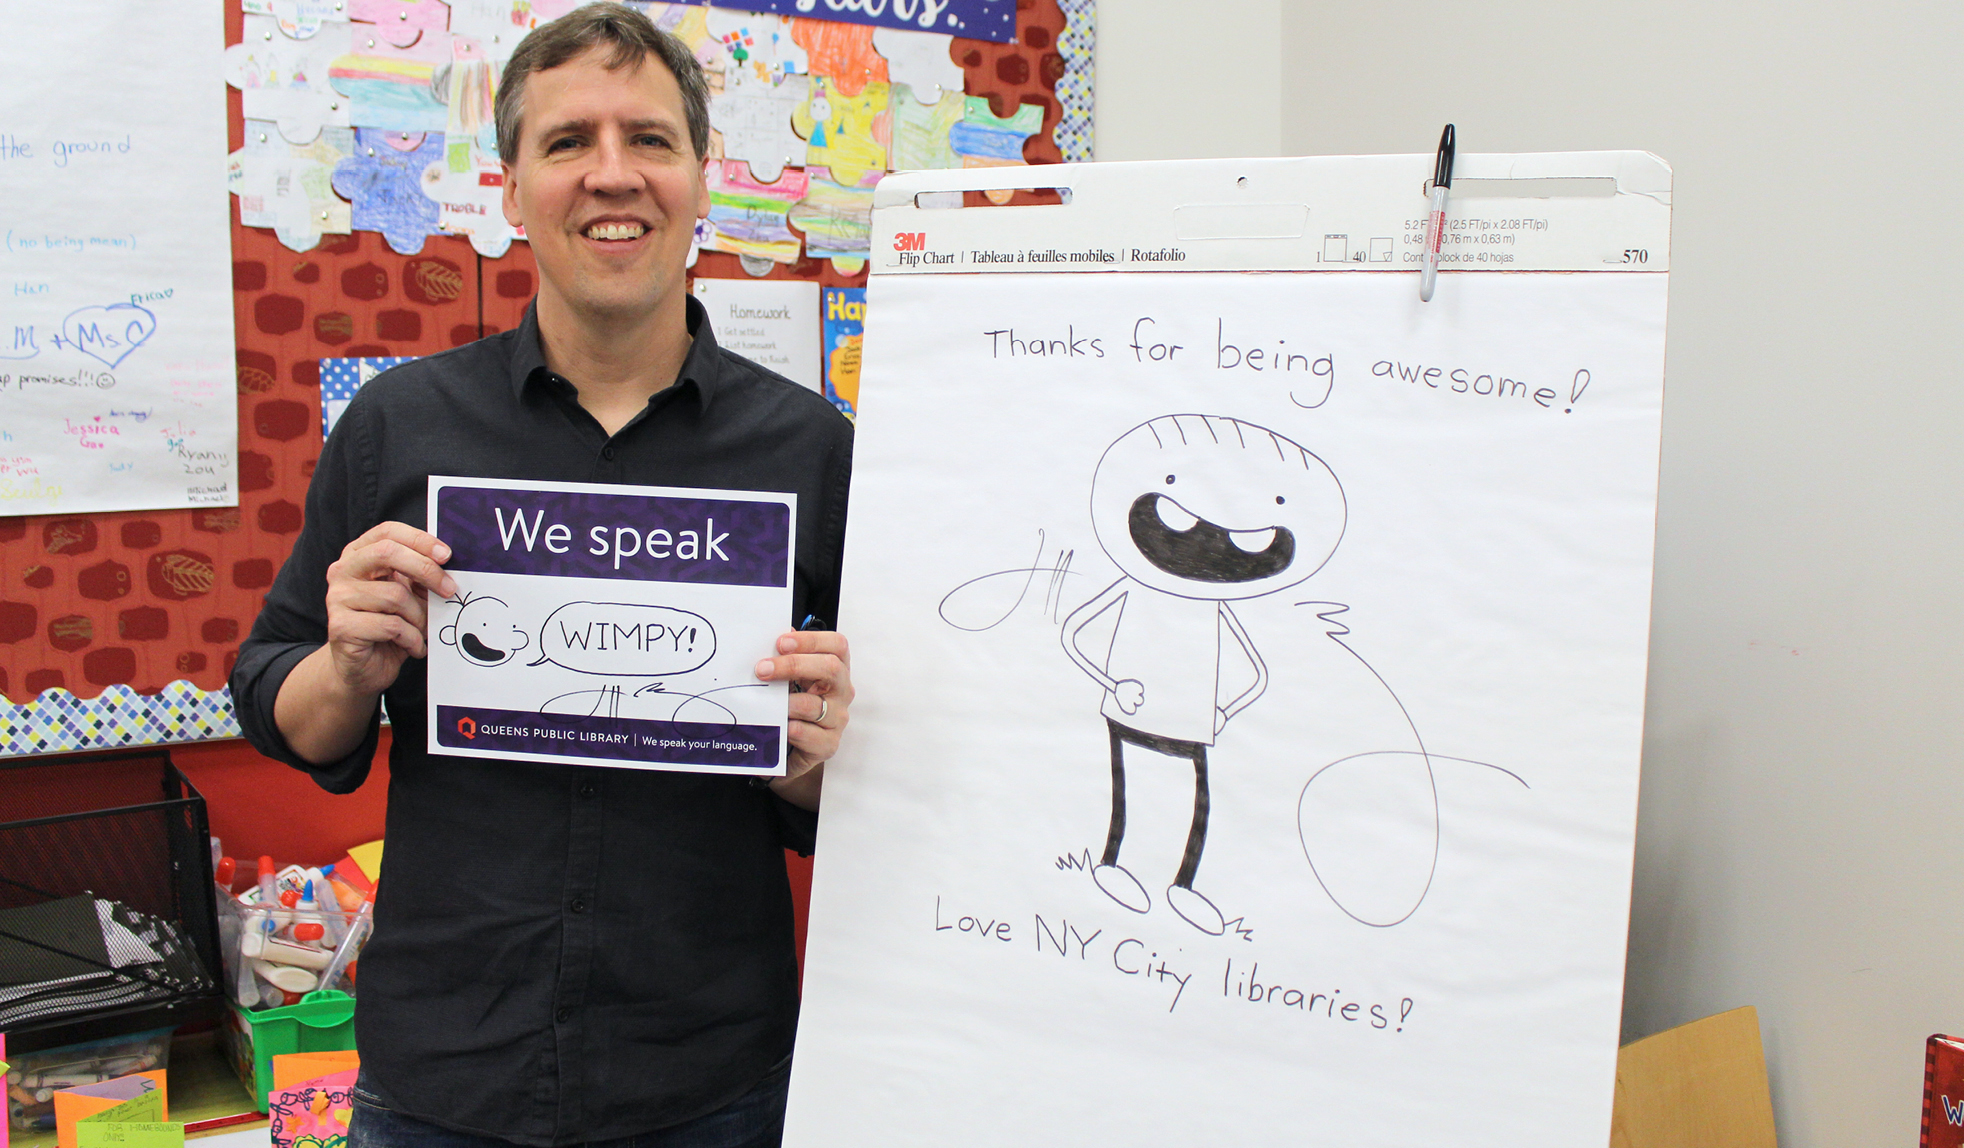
1196	910
1122	887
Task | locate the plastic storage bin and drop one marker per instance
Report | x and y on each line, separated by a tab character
322	1022
34	1077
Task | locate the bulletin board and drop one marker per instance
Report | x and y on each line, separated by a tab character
121	629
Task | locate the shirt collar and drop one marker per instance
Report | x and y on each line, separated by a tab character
703	366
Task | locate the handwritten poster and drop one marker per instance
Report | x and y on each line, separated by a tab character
117	382
610	625
772	322
1250	674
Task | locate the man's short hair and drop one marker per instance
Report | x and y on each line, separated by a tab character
633	38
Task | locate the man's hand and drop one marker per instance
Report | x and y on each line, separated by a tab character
377	618
818	665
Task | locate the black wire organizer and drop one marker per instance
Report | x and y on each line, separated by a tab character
108	923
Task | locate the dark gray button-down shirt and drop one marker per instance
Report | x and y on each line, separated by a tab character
562	953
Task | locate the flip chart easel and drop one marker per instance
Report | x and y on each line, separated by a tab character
1250	659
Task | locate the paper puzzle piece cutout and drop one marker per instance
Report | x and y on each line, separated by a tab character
843	53
846	134
402	22
754	118
983	140
920	131
285	80
314	1114
919	60
757	42
289	187
837	220
689	23
498	25
394	88
384	181
298	19
701	236
749	218
468	185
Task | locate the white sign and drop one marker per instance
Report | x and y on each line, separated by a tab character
771	322
610	625
117	366
1250	679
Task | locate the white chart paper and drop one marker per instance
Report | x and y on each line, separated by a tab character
610	625
1250	678
117	376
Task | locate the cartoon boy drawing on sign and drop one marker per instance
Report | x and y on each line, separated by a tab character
484	630
1196	511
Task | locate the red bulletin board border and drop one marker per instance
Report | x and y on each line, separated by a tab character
149	598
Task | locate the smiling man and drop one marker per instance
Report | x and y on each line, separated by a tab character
564	954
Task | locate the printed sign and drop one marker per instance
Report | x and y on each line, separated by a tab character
610	625
974	19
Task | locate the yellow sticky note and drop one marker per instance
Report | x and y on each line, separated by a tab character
97	1133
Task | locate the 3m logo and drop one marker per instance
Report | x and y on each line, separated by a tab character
910	241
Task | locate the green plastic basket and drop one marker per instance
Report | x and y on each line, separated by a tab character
323	1021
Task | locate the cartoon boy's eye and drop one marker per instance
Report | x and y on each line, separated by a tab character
1169	480
1279	500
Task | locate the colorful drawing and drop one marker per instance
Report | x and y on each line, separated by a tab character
847	134
392	87
401	22
837	220
289	187
921	61
844	326
298	19
983	139
843	53
755	42
468	187
920	131
285	80
314	1114
498	25
384	181
750	218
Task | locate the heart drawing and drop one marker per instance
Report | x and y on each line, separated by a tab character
108	334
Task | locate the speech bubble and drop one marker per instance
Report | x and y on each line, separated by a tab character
625	640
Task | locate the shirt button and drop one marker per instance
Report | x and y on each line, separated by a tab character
563	1015
588	789
607	453
578	905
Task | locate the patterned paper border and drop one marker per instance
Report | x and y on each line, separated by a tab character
60	722
1073	132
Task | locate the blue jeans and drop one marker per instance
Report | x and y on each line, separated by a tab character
753	1120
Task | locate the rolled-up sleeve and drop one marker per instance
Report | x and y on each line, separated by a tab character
292	622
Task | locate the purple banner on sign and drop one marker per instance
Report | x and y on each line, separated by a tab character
975	19
643	537
607	738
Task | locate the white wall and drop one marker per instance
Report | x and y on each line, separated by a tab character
1804	765
1181	80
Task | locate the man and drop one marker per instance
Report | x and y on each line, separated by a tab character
565	954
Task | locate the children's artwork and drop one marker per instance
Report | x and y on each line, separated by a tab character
139	1098
289	187
117	356
837	220
754	42
984	139
498	25
341	378
469	184
921	61
750	218
842	53
313	1114
384	180
771	322
975	19
845	316
390	86
754	118
1263	721
610	625
920	131
285	80
400	22
845	134
299	19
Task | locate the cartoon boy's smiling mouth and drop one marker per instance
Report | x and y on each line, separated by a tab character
478	651
1186	545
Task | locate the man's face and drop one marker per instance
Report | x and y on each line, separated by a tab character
606	185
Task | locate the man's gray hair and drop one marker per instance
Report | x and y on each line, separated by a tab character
633	38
